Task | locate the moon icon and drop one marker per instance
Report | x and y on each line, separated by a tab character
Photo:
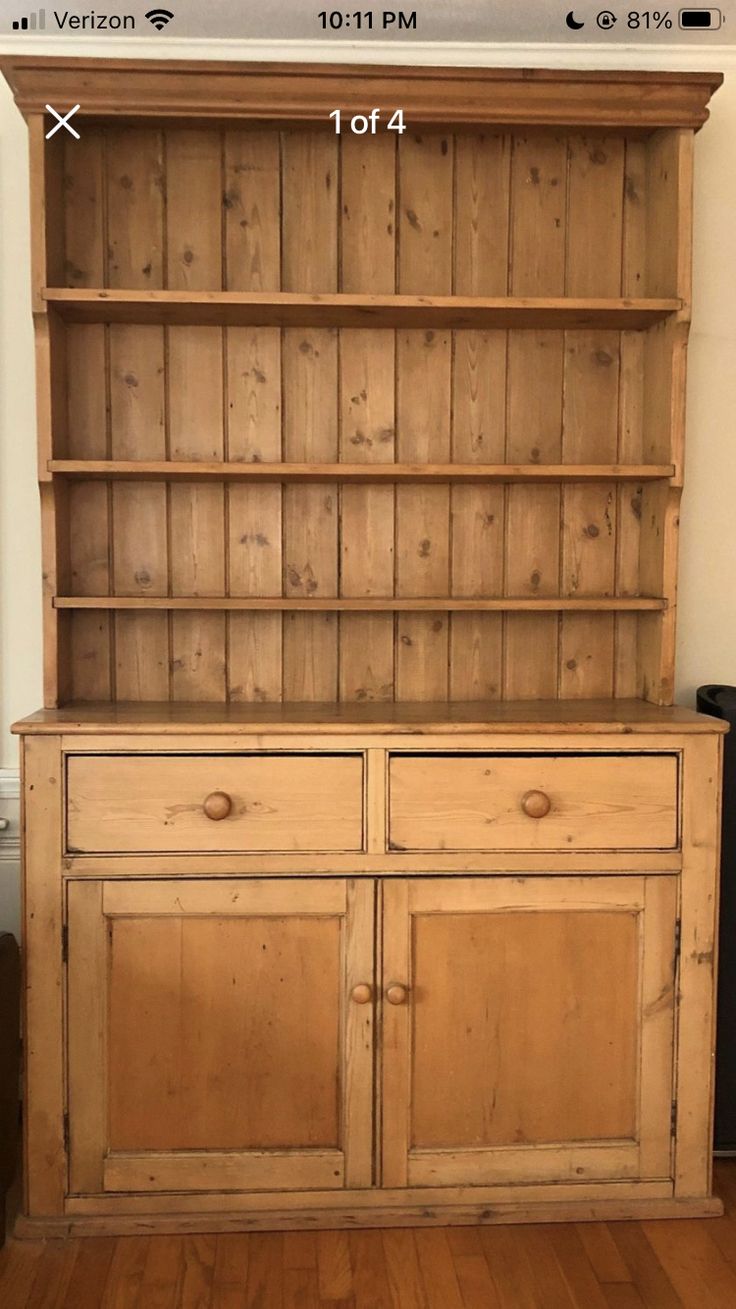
573	22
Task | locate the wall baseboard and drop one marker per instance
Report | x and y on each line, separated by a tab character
9	807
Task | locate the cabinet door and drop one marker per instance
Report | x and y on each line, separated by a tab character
209	1026
528	1029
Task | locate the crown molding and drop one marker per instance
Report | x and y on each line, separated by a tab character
453	96
685	56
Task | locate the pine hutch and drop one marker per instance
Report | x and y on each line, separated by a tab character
370	873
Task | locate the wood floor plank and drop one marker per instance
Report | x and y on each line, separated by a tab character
54	1271
647	1273
162	1274
622	1295
603	1252
265	1286
506	1258
478	1289
126	1272
19	1262
199	1268
405	1279
551	1287
370	1275
440	1282
576	1268
723	1232
334	1266
231	1271
90	1273
692	1261
300	1250
301	1289
463	1241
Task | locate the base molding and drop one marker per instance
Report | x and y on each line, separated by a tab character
452	1215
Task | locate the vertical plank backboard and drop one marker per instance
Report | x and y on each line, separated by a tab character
423	414
195	412
630	426
87	425
367	415
309	183
481	199
590	415
253	411
537	253
135	238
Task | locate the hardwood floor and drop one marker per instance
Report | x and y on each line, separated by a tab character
683	1264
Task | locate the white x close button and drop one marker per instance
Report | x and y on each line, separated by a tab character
63	121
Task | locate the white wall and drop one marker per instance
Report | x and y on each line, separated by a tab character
707	610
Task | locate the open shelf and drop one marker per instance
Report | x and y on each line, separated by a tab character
398	604
178	471
287	309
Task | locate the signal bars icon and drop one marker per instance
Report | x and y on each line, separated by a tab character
35	22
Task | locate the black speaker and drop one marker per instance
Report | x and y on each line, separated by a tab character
720	702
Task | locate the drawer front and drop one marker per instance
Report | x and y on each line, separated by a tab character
535	802
150	803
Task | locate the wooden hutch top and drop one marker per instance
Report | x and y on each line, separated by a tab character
354	419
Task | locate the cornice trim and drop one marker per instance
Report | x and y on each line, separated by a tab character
452	95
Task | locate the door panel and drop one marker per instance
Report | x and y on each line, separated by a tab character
536	1038
212	1054
209	1025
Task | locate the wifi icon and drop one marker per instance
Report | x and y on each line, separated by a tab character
159	17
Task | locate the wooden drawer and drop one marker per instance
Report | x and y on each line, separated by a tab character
533	802
151	803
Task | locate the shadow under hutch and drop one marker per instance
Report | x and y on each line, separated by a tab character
370	873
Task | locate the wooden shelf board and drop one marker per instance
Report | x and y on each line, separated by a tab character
410	718
287	309
170	470
428	604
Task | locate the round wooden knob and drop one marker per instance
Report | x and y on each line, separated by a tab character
217	805
396	994
362	993
536	804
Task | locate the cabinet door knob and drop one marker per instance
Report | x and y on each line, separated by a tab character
217	805
362	993
397	994
536	804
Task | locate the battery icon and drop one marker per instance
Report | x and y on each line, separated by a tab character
701	20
